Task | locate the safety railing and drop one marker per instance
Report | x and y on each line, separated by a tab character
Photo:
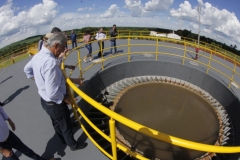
213	57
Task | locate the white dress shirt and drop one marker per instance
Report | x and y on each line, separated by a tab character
48	76
4	130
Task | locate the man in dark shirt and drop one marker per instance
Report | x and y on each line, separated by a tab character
73	38
113	34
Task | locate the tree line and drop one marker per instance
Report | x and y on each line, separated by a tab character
18	46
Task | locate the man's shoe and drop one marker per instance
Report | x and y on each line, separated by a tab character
1	104
78	146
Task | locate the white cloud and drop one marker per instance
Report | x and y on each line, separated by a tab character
207	30
86	8
221	22
28	22
12	24
25	22
158	5
110	12
135	6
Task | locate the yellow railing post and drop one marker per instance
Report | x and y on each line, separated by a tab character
101	49
184	53
156	48
129	55
233	72
113	138
80	63
209	61
70	95
12	60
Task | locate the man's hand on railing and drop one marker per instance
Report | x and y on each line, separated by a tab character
70	67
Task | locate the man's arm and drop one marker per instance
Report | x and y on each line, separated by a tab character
5	117
29	70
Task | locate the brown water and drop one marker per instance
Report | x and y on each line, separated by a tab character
172	110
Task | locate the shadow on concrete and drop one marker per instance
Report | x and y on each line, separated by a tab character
6	79
54	145
14	95
191	55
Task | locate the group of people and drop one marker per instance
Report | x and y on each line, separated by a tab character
44	69
72	37
101	37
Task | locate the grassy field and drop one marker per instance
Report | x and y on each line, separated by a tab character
13	60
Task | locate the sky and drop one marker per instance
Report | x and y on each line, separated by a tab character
20	19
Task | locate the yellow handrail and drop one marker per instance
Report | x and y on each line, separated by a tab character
153	133
138	127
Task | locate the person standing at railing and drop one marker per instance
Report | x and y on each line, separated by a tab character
44	69
88	45
73	38
40	43
100	36
28	69
67	39
197	50
113	34
8	140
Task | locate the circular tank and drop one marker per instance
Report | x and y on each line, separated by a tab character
171	109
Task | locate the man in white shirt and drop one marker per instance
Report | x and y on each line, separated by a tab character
44	69
100	36
8	140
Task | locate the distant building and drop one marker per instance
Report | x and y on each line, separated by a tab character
168	35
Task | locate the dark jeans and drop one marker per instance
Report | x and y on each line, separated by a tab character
100	51
113	45
74	42
89	47
60	116
14	142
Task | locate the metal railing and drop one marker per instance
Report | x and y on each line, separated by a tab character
213	57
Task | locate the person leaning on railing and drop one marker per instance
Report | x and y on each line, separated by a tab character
51	85
113	34
40	43
78	81
88	45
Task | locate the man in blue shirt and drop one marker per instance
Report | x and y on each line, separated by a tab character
8	140
73	38
44	69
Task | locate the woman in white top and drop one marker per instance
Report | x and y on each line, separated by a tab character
100	36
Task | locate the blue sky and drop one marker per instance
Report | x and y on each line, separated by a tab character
21	19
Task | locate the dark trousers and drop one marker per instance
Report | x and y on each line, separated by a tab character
60	116
113	45
100	51
14	142
74	42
